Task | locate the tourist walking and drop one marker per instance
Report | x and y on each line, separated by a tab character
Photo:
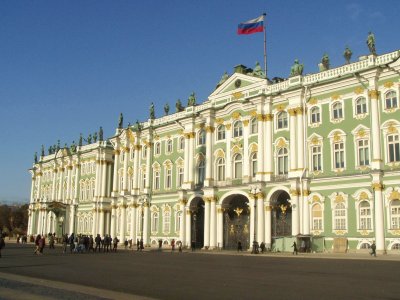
65	242
373	249
239	246
173	245
294	248
42	243
37	239
97	240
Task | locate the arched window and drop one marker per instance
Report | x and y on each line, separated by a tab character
122	156
220	169
317	220
82	191
167	221
395	214
169	146
144	152
121	183
339	217
143	181
87	194
237	129
253	126
365	215
282	161
315	115
393	148
390	100
132	154
154	222
253	164
181	143
157	148
337	111
237	166
361	106
220	133
201	172
92	183
282	121
201	137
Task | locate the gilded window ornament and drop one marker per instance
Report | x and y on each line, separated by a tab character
339	198
361	133
220	154
337	137
281	143
335	97
235	115
210	129
391	129
219	121
253	113
388	84
395	195
237	95
245	123
254	148
313	101
358	90
281	107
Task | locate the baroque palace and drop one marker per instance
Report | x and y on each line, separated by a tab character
313	158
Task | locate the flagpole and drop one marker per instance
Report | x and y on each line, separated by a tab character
265	48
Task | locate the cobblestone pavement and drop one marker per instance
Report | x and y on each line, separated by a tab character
199	275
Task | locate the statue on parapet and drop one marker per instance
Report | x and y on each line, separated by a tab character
152	111
371	43
192	99
324	65
89	139
138	126
35	158
73	147
121	121
58	145
80	140
258	71
101	134
166	109
178	106
297	68
42	153
223	79
347	54
95	137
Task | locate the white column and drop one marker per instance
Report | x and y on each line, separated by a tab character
125	175
252	224
191	158
295	212
246	159
32	198
72	219
136	168
69	181
146	224
39	222
53	192
379	217
60	184
268	145
122	224
182	225
148	165
116	168
188	227
113	220
104	179
101	221
39	189
133	222
95	220
228	161
220	227
260	153
77	171
376	133
213	223
268	228
293	146
206	222
300	138
260	218
98	179
306	212
209	156
186	158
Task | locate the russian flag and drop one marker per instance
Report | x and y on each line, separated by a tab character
251	26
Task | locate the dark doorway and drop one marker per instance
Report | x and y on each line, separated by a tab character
197	222
236	222
281	215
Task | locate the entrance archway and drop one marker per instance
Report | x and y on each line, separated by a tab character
236	222
197	221
281	214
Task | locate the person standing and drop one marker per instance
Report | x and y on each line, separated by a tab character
373	249
173	245
2	243
239	246
294	248
97	240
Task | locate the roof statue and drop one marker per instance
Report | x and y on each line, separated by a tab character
101	134
35	158
297	68
324	65
89	139
166	109
80	140
223	79
121	121
371	43
95	137
192	99
258	71
178	105
65	146
42	153
347	54
73	147
58	145
50	150
138	126
152	112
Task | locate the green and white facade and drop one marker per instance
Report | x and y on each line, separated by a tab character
312	156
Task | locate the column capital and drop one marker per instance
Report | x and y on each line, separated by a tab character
373	94
377	186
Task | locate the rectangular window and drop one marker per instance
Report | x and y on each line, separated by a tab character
363	152
180	177
394	148
316	158
338	149
168	179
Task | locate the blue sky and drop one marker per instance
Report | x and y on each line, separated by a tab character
71	66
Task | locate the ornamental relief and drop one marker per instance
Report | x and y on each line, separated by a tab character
358	90
281	143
